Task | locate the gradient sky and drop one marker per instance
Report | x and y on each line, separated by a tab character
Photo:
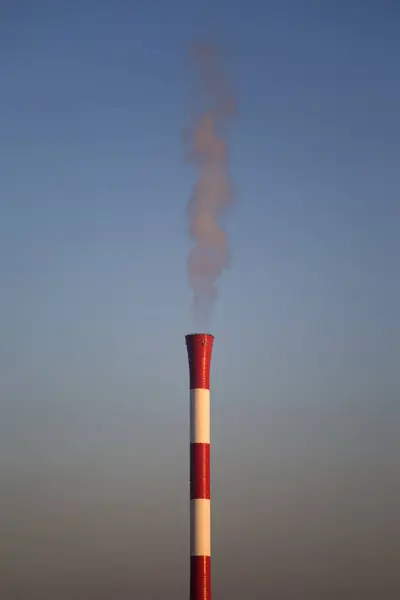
95	302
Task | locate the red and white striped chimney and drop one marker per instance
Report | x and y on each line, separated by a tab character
199	349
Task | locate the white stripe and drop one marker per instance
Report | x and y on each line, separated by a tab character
200	528
200	416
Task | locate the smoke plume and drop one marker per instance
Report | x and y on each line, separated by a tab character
212	193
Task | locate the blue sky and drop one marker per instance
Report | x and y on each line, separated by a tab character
95	302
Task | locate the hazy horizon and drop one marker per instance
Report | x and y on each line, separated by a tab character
95	304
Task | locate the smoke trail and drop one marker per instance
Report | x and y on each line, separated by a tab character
212	193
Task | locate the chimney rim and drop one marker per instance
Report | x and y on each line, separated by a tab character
190	335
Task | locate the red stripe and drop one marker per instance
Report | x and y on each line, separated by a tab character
199	471
200	578
199	349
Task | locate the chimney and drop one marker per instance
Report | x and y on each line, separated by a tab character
199	348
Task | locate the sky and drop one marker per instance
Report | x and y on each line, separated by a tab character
95	303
